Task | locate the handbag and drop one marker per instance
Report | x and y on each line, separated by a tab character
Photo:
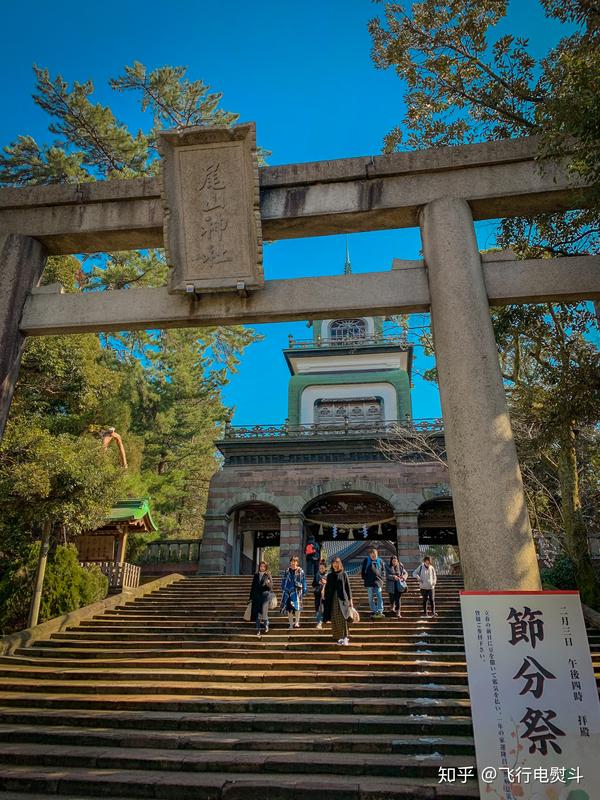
273	602
355	615
402	587
248	612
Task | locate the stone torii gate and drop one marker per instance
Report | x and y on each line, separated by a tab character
208	198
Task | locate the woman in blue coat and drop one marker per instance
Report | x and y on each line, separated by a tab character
293	587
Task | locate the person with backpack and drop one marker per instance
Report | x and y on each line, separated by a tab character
425	573
312	551
372	572
293	587
396	576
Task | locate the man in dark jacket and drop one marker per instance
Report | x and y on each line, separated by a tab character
312	551
373	577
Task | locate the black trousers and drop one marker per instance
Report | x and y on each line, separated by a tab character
317	596
427	594
311	566
396	599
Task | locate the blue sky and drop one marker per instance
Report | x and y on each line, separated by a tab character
302	71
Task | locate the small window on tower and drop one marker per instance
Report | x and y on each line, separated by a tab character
348	329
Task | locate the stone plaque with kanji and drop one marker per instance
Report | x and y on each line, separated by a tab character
212	227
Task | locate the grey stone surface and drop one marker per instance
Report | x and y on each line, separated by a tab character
395	291
355	194
22	261
496	545
591	617
25	638
212	226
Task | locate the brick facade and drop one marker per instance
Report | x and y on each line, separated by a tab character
290	488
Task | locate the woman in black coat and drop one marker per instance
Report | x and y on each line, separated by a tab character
261	593
337	602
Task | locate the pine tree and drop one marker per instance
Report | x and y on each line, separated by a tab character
161	390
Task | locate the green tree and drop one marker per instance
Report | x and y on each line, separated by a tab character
67	586
465	83
178	410
168	403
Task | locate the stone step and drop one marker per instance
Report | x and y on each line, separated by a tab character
271	677
390	627
410	605
223	600
248	630
151	719
312	639
175	740
410	617
235	690
384	633
219	599
276	621
348	654
250	665
211	705
224	786
394	765
414	614
228	588
173	695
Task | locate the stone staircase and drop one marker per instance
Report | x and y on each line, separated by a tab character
173	696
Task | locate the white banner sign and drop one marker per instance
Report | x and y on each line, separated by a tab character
535	708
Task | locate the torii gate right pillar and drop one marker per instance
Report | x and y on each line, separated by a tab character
494	534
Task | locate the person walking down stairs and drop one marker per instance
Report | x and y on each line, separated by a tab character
396	575
425	573
293	588
372	572
261	593
337	602
318	584
312	551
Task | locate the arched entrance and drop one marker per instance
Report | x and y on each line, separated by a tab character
347	523
256	528
437	535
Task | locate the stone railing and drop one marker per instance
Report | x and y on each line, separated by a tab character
347	342
120	576
345	427
169	550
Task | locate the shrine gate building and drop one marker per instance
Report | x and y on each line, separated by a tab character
322	472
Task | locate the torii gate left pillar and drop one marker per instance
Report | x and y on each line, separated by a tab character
22	261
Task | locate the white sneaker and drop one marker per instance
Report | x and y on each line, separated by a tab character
346	641
296	625
319	626
340	641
